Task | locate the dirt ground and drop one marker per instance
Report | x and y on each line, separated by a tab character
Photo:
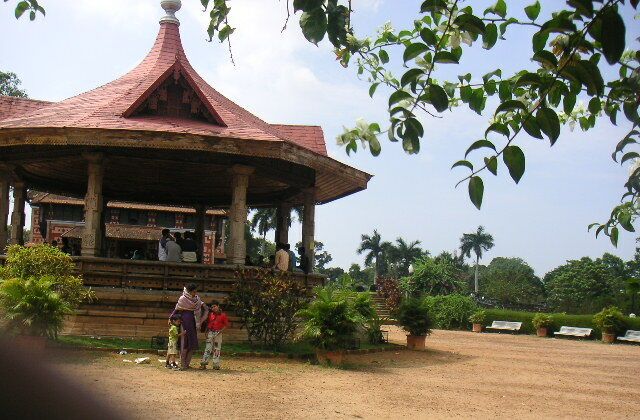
460	375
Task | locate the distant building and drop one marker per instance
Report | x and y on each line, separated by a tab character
128	226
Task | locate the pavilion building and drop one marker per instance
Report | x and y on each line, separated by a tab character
109	151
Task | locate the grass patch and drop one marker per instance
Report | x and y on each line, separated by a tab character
104	343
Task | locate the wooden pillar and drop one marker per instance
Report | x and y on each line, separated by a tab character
93	206
237	247
4	210
283	220
199	231
18	217
308	226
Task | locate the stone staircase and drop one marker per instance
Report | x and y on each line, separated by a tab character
381	307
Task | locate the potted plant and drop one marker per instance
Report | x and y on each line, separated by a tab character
478	319
610	321
413	316
542	323
330	323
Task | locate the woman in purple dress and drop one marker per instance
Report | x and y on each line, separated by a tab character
192	312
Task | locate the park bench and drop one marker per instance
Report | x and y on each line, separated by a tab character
574	332
505	326
631	335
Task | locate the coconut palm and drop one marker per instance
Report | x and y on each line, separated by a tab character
403	254
264	220
375	250
477	242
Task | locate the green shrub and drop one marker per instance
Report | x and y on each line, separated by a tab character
478	317
450	311
33	306
330	322
363	304
610	320
542	321
413	316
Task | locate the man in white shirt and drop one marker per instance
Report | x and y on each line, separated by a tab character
162	245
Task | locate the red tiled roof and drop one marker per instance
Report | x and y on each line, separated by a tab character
109	106
10	106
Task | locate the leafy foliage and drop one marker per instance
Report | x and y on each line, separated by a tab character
477	243
413	315
541	320
478	317
585	285
433	277
267	302
31	6
374	249
451	311
331	321
10	85
610	320
511	281
33	306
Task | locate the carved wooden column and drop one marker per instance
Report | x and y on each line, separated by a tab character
308	225
199	231
18	217
93	206
237	247
283	220
4	210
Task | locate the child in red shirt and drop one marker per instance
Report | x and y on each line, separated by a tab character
216	323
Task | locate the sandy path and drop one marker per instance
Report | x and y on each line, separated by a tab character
461	375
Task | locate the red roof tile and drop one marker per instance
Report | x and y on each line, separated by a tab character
109	106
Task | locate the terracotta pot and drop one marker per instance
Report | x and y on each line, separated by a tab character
330	357
542	332
608	338
477	328
416	342
30	343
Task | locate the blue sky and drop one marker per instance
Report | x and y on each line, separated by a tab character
82	44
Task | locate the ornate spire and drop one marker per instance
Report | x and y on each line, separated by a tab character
171	7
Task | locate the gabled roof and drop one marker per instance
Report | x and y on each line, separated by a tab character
114	105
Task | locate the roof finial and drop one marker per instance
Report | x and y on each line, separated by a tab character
171	7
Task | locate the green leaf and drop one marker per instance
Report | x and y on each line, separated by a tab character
470	23
411	76
428	36
398	96
533	11
22	7
438	97
373	88
529	79
625	221
613	235
500	9
498	128
478	145
374	146
584	7
549	123
304	5
433	6
510	105
569	103
414	50
504	91
384	56
514	159
629	156
314	25
476	191
547	59
414	126
492	164
539	41
465	163
595	105
445	57
531	126
613	35
490	36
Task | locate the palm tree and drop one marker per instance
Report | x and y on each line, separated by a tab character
404	254
264	220
477	242
375	249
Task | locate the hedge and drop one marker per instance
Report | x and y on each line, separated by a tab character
559	319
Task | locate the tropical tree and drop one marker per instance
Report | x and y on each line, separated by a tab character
477	243
432	277
511	281
263	220
10	85
402	254
374	249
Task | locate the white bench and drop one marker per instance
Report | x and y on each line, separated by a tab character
631	335
574	332
505	326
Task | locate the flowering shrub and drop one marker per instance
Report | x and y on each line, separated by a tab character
389	289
